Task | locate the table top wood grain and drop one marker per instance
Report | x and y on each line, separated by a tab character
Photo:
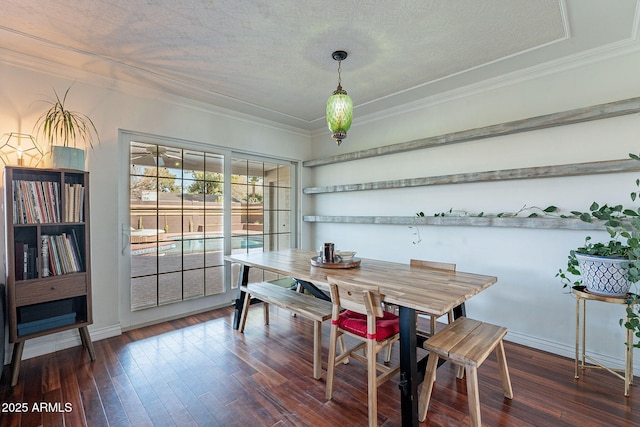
432	291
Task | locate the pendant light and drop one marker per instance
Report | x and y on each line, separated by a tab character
339	105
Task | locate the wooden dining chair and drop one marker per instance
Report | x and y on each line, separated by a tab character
418	263
358	313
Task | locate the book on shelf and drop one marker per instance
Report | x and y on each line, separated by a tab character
26	261
45	256
32	267
36	202
74	202
76	245
19	261
64	254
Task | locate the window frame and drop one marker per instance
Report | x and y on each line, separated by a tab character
130	318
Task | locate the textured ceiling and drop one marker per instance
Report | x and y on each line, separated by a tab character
272	59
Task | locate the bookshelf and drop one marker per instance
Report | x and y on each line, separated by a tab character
48	260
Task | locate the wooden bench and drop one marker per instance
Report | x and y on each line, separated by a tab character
307	306
467	343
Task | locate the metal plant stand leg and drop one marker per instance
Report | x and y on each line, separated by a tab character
581	355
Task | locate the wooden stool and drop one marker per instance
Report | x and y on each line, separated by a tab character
467	343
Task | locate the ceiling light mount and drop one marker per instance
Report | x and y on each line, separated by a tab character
339	105
339	55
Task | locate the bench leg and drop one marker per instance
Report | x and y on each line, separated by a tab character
427	386
245	311
266	312
317	350
504	371
473	396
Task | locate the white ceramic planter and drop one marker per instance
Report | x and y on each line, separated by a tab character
604	276
59	157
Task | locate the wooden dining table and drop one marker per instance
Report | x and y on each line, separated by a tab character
432	291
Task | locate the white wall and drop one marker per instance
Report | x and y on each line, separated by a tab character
528	298
114	106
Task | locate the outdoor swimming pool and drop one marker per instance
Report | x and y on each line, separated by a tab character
198	245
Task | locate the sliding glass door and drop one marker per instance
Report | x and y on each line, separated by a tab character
185	212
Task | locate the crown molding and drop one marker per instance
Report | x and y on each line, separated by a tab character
57	70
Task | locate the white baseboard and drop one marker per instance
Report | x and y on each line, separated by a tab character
569	351
60	341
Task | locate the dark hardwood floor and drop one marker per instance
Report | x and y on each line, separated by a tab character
198	371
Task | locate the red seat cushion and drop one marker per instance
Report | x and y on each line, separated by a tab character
356	323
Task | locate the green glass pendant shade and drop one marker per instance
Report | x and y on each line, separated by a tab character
339	114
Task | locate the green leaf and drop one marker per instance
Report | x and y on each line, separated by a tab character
585	217
550	209
594	206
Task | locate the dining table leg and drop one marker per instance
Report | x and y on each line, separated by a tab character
409	380
313	290
243	279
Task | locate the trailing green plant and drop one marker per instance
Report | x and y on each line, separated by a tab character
61	126
532	211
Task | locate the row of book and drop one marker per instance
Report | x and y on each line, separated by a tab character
61	254
37	202
74	203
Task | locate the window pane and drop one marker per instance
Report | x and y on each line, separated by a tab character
214	164
284	221
170	257
193	283
284	199
144	292
193	163
214	280
169	288
213	252
143	156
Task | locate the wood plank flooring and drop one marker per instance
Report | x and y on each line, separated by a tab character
198	371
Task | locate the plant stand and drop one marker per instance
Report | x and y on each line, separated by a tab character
582	296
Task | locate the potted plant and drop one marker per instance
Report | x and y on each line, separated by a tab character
61	129
610	268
